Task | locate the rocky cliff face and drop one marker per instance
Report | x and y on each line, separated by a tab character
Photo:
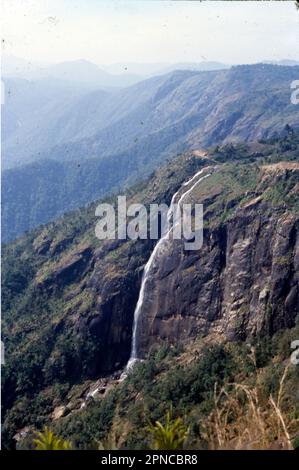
243	282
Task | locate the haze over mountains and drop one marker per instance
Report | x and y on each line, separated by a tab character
119	74
78	71
96	76
42	101
66	144
50	105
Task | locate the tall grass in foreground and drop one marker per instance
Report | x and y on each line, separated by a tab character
243	419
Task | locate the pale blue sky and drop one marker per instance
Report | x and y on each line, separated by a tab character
149	31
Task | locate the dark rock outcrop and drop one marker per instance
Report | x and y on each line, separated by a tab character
243	282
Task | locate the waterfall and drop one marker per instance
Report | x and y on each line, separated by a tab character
151	261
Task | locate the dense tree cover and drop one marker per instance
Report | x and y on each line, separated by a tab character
166	403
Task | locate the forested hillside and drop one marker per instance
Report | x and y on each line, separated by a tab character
69	300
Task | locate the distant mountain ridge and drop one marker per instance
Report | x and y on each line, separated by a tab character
121	119
26	69
77	71
126	135
39	114
150	69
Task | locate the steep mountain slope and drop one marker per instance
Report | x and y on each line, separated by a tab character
141	126
69	299
42	117
37	114
193	108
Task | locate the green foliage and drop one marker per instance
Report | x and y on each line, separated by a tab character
46	440
91	425
169	436
187	391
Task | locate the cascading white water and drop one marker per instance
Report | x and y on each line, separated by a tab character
151	261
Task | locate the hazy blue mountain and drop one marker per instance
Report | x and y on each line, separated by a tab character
39	114
44	113
284	62
124	136
190	109
149	69
81	115
84	71
203	66
15	67
77	71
